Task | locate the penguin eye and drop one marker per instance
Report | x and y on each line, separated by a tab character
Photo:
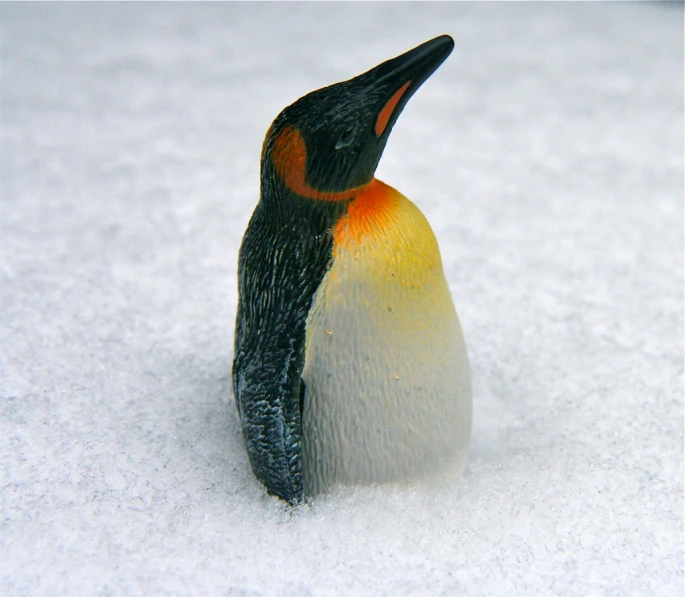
347	137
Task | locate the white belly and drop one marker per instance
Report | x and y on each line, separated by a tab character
388	394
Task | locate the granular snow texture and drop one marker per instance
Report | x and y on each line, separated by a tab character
547	153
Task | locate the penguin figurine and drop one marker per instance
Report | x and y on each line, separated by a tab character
350	365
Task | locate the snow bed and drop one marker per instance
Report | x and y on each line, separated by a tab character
547	153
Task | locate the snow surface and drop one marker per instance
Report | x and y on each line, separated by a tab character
548	154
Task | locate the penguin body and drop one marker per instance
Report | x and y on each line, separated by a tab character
388	392
350	364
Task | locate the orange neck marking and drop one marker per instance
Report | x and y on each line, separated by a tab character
289	157
369	212
386	112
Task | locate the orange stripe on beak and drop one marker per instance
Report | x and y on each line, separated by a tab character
386	112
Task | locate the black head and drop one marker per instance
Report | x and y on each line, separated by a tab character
328	143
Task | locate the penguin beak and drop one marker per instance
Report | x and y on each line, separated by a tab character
397	79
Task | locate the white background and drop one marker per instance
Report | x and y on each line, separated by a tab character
547	152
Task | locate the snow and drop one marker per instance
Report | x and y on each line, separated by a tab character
547	152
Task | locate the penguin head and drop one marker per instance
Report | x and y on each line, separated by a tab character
326	145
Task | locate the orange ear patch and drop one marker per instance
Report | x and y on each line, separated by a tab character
388	109
289	157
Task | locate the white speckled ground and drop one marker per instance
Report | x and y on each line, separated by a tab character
548	154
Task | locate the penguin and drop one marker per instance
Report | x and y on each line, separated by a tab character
350	365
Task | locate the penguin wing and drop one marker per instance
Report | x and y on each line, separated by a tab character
279	271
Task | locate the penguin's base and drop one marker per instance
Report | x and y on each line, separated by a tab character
427	479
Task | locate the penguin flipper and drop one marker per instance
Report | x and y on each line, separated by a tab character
267	391
277	279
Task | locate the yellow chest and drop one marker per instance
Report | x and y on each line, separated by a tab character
389	239
387	384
